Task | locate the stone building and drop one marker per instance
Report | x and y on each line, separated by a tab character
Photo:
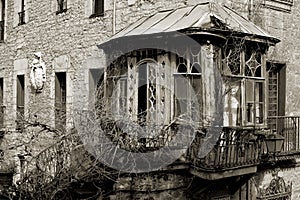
219	77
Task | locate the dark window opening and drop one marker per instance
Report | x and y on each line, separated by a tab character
60	101
2	17
2	107
142	92
22	13
98	8
20	102
277	90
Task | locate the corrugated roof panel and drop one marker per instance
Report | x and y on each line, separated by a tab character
143	27
190	18
225	17
246	25
129	28
171	19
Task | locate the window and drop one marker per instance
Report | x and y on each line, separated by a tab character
2	17
60	101
244	86
188	85
20	102
95	80
2	107
61	6
277	84
98	8
145	86
22	13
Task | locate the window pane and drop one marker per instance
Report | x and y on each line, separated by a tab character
249	91
259	102
258	92
259	113
196	105
181	95
250	101
99	6
232	104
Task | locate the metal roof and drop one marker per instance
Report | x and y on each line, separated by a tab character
197	17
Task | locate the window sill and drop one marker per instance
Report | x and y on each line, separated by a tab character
97	15
22	23
280	5
61	11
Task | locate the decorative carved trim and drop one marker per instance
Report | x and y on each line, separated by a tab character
38	73
277	189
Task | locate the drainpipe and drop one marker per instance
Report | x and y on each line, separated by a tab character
114	18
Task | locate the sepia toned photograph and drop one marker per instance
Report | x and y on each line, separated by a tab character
149	100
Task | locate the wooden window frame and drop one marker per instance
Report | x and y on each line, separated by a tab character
165	100
243	77
188	74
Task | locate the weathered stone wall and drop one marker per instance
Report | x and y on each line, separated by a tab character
289	175
160	185
67	41
285	26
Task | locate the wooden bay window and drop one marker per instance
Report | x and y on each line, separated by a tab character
245	77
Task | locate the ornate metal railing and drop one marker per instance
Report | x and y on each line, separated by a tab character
234	149
278	189
47	169
136	138
289	128
1	30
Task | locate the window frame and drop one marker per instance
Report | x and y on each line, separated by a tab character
242	64
164	90
185	60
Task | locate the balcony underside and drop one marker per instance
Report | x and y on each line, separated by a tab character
216	175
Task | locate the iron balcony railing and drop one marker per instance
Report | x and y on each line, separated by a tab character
288	127
1	31
234	149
